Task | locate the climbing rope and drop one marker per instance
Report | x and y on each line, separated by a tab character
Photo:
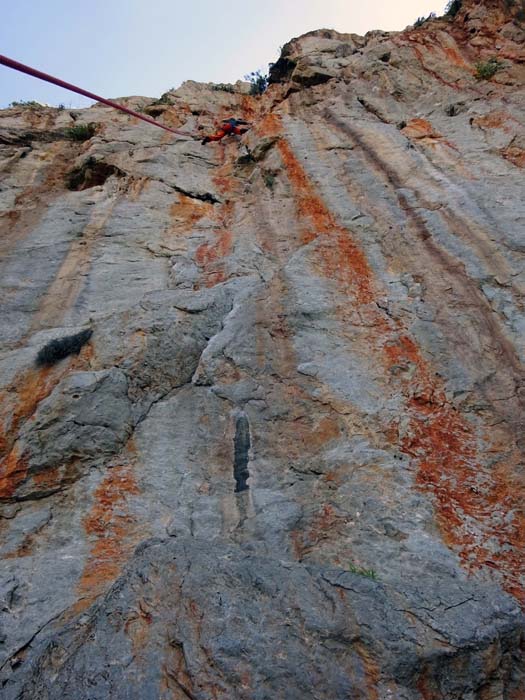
9	63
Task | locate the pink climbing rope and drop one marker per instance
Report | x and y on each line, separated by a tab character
15	65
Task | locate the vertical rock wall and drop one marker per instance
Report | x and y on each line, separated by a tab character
288	463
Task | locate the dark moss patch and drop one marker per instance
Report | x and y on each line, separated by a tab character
58	349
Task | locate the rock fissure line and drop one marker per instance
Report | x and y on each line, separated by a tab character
242	446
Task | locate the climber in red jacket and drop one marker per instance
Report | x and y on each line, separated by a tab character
229	126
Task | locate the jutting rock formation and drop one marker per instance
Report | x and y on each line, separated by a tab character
261	420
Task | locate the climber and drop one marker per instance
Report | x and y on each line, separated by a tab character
229	126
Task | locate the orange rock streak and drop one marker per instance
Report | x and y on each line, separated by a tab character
443	443
111	530
467	495
19	402
339	256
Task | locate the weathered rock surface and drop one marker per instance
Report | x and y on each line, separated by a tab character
289	462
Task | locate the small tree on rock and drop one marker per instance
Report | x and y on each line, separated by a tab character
453	7
258	82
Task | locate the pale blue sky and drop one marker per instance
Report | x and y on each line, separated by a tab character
117	48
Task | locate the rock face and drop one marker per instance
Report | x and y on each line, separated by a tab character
289	461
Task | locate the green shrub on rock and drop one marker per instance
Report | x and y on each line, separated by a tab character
81	132
485	70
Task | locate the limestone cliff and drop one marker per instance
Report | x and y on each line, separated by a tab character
289	460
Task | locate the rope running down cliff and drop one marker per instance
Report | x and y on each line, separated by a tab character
15	65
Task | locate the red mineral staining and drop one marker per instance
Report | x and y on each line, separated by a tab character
370	668
19	402
469	498
454	57
339	257
49	479
209	253
270	125
492	120
422	52
248	107
187	211
209	256
13	472
111	531
474	504
323	525
420	128
515	155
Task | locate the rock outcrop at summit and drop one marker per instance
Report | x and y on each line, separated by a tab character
289	460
